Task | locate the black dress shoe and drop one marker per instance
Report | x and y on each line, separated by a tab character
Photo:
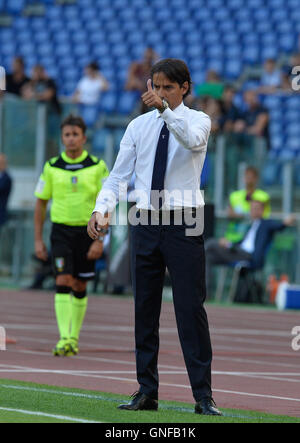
140	402
207	406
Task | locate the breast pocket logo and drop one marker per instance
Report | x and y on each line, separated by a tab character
60	264
2	79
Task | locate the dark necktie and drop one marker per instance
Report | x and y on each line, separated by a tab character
160	166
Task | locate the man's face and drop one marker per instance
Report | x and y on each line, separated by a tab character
250	98
269	66
172	92
38	73
256	210
250	179
73	138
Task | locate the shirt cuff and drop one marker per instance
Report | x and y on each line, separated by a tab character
169	116
102	208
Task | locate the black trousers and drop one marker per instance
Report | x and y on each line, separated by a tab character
153	249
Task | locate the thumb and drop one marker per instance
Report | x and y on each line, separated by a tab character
149	85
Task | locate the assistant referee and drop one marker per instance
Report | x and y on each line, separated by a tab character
73	181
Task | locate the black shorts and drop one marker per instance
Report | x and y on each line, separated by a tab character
69	248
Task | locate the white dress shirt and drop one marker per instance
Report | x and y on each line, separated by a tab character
189	133
248	244
89	90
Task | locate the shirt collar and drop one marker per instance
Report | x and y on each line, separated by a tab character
178	110
67	159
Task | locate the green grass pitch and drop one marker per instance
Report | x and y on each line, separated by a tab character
22	402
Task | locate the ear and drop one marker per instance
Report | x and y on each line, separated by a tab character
185	87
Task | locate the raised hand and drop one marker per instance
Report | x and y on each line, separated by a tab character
151	98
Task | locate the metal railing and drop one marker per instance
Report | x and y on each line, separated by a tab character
29	135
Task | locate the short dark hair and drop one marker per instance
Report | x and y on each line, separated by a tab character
94	66
176	70
74	120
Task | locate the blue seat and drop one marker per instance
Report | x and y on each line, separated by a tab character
293	143
287	42
38	24
251	55
6	35
15	6
108	102
8	49
271	101
99	141
45	49
293	103
20	23
287	154
27	49
128	101
63	49
81	49
232	69
89	113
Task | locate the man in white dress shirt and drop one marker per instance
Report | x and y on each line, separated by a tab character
166	149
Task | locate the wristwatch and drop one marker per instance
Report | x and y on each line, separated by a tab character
102	232
165	106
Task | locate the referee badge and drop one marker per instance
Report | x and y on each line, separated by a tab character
74	181
60	264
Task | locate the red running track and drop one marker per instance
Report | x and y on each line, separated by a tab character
254	366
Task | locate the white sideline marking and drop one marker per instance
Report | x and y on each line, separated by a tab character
250	394
166	330
42	414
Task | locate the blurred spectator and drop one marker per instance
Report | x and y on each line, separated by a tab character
253	246
240	203
90	87
41	88
213	86
230	112
5	189
139	72
271	78
17	79
255	120
211	107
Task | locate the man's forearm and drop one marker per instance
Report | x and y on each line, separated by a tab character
39	220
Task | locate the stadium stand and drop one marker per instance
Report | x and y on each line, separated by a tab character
224	35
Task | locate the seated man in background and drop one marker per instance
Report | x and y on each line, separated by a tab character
239	205
252	248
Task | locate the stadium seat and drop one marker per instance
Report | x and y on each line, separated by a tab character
225	36
127	102
108	102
